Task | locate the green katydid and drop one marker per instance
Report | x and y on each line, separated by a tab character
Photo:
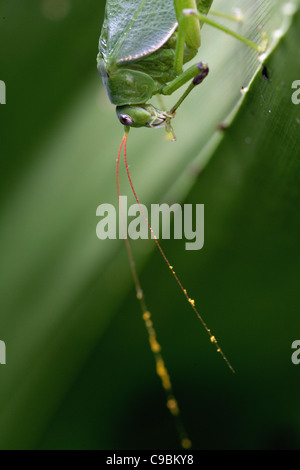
142	49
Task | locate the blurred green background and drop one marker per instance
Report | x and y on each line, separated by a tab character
79	373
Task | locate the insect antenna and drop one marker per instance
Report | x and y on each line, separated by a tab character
161	369
184	291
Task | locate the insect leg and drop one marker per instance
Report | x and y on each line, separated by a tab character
204	19
197	72
188	33
236	16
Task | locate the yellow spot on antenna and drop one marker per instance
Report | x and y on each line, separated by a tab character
139	294
146	315
173	406
171	267
192	302
155	346
163	374
160	368
186	443
166	382
149	324
213	339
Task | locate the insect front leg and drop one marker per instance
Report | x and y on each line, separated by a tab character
188	36
188	31
196	72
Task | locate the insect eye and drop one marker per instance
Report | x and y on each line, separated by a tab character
125	120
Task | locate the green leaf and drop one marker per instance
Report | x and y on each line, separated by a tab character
79	372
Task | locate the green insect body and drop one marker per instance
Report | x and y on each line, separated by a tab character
142	49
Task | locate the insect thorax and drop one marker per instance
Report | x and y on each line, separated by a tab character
160	63
140	77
